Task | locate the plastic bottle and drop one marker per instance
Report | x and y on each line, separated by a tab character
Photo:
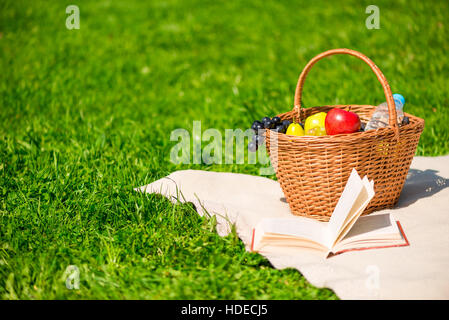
380	117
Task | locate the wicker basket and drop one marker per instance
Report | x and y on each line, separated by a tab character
313	170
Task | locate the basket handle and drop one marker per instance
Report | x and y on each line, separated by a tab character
379	74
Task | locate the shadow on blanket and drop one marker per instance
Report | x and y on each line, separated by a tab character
421	184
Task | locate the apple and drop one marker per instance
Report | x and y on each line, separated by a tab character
341	121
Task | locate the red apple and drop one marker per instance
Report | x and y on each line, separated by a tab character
341	121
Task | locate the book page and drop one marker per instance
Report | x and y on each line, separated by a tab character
377	226
362	201
343	208
287	228
372	231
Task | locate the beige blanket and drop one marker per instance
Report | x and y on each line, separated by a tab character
419	271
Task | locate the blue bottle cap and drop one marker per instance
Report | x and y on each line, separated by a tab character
398	98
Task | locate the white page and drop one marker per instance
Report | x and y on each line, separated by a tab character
362	201
350	193
295	226
371	227
371	230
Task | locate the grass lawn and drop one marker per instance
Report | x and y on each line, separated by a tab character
86	116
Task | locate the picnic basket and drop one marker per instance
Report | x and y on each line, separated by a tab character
313	170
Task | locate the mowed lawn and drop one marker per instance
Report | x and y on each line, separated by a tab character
86	116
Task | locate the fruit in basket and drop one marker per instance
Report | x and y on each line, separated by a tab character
258	139
317	131
315	124
276	120
255	124
252	146
405	120
295	129
280	128
286	123
362	127
340	121
268	124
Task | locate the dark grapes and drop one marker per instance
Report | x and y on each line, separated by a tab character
405	120
255	123
259	126
265	119
260	140
362	127
268	124
286	123
280	128
276	120
252	146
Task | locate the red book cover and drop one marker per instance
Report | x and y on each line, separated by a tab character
380	247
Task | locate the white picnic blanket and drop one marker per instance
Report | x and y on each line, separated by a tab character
419	271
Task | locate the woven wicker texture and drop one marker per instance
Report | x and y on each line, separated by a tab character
313	171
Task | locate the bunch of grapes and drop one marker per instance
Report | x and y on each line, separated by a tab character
275	124
405	121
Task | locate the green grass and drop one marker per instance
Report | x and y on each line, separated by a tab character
86	115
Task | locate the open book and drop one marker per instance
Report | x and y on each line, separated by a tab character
341	233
